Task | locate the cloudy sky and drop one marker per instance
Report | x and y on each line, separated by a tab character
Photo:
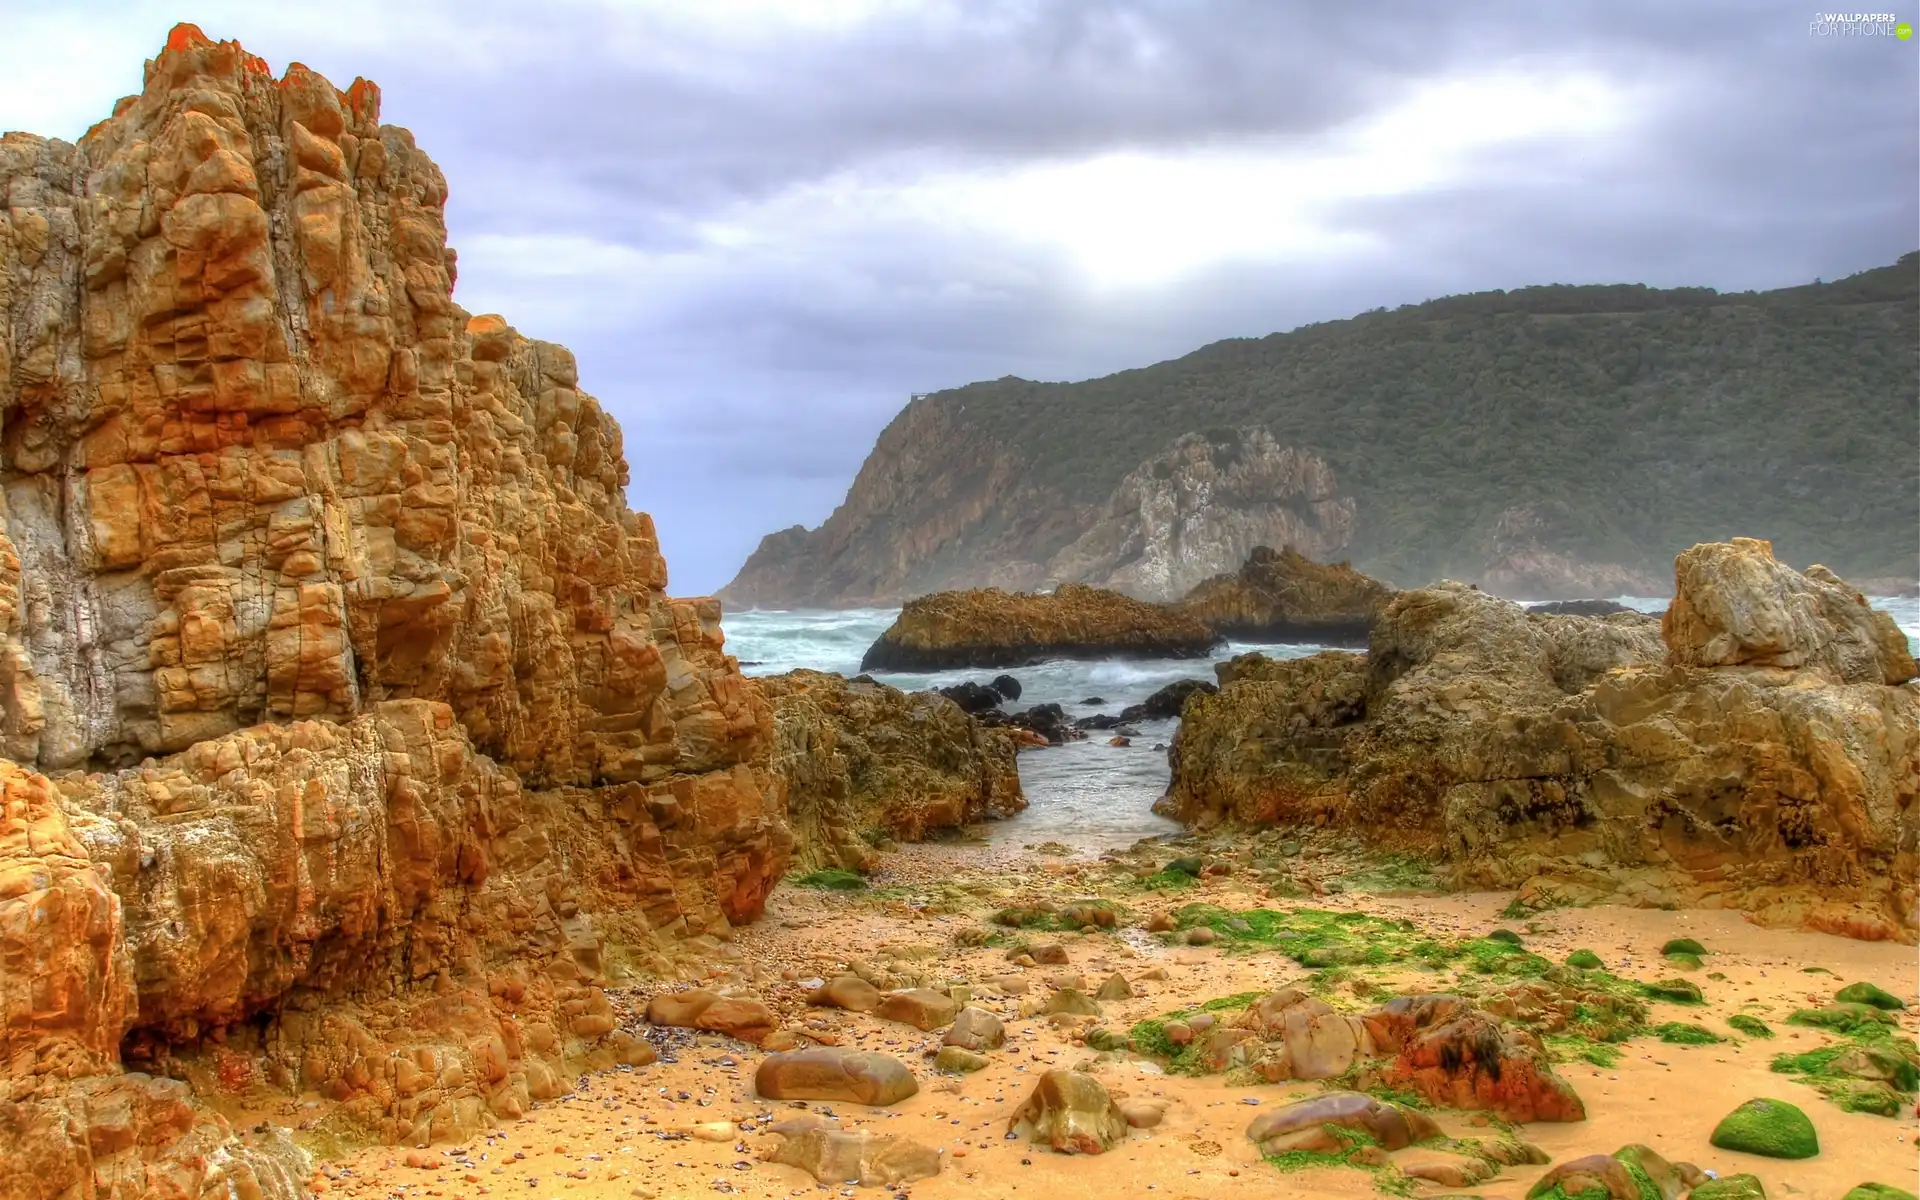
762	223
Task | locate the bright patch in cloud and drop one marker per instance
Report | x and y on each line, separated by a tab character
1138	219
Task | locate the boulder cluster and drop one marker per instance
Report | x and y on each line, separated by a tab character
1757	748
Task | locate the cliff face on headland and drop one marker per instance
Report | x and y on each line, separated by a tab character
354	741
909	527
1546	443
1759	748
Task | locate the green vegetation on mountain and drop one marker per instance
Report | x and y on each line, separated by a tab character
1513	437
1644	420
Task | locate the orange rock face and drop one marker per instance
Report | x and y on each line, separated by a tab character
334	589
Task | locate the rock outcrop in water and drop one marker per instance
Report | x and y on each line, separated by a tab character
334	590
1759	750
863	759
1288	597
992	628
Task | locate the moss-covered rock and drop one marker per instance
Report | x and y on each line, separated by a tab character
1586	960
1685	962
1680	1033
1878	1191
1855	1019
1867	993
1675	991
1750	1025
1730	1187
1768	1127
1683	946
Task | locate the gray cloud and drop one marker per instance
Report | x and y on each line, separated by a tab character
752	378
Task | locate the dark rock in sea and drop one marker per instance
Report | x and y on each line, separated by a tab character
1049	721
1581	608
747	662
972	697
1168	701
988	627
1007	686
1094	700
1097	721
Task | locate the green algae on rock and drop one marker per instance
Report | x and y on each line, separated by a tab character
1867	993
1768	1127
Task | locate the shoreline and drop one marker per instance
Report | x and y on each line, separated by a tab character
630	1133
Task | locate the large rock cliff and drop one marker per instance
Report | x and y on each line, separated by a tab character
354	740
1758	749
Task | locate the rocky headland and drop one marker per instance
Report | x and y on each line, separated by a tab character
988	627
1758	749
1412	442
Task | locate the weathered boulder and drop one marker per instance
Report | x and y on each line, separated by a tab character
976	1029
849	1076
862	1157
1288	597
1303	1124
855	758
1304	1038
987	627
1736	606
1596	757
745	1017
846	991
922	1008
1460	1057
1071	1112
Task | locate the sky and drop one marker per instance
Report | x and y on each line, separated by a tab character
762	224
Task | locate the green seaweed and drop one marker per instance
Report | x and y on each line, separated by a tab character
832	879
1878	1191
1681	1033
1674	991
1857	1020
1869	994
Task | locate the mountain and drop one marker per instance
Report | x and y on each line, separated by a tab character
1547	442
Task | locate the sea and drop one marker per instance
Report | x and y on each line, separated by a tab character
1087	795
